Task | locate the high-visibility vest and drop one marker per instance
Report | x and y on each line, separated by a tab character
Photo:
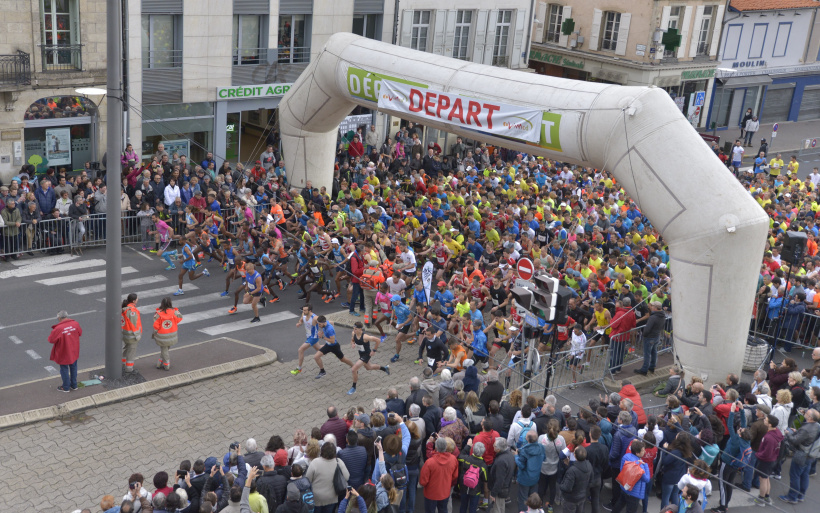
372	277
127	325
387	269
167	321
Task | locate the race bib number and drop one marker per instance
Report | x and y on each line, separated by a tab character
441	260
431	362
315	270
359	348
562	329
495	302
383	306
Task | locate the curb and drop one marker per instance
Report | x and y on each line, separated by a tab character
134	391
643	384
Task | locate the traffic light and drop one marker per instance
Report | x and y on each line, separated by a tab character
522	296
550	300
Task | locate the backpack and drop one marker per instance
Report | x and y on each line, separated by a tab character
814	449
471	477
522	437
398	471
745	459
305	491
266	491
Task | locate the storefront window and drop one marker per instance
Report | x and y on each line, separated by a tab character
189	122
66	147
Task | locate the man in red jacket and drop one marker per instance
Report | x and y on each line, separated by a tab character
438	475
622	322
65	337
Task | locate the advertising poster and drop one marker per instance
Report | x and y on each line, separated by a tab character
58	146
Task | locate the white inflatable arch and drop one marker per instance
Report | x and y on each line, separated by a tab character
715	231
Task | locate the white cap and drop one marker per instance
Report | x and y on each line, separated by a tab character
469	168
334	240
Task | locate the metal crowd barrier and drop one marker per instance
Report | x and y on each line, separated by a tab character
788	332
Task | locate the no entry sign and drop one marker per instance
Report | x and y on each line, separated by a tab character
525	268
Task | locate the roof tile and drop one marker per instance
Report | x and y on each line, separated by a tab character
769	5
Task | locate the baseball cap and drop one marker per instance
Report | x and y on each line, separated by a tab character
363	418
442	284
566	409
209	463
293	494
468	362
334	240
395	297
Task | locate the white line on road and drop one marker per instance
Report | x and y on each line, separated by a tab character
47	260
220	329
215	313
145	280
51	370
50	319
33	354
135	250
162	291
28	271
62	280
16	340
186	301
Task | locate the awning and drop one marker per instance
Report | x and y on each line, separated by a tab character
749	81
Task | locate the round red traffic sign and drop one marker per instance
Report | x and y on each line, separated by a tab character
774	127
525	268
813	143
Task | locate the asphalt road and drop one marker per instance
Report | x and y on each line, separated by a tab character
36	288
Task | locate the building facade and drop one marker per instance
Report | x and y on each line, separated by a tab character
768	62
48	49
208	75
622	42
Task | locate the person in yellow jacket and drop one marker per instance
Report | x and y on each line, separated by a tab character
131	331
166	330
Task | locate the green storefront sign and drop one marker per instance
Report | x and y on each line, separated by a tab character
558	60
365	84
252	91
697	74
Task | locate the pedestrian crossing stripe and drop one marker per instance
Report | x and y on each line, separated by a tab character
27	271
162	291
46	260
144	280
182	302
229	327
62	280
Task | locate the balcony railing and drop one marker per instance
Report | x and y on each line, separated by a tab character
15	70
62	57
293	55
162	59
250	56
703	49
500	60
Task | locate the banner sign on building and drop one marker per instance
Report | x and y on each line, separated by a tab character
58	146
488	117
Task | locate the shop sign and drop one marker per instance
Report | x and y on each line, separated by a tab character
697	74
558	60
252	91
748	64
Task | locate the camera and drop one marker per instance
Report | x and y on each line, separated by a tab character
132	485
234	445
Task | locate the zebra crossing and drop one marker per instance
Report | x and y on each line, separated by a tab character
86	280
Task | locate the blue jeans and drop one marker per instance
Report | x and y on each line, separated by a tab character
669	494
469	503
616	358
412	485
798	480
749	137
650	354
431	506
328	508
357	293
523	493
749	473
65	372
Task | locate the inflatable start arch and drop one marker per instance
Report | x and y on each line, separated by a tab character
715	231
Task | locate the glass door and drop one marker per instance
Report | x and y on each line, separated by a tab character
232	137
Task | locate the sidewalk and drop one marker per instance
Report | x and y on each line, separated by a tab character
39	400
790	136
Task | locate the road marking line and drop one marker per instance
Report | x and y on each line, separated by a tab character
28	271
48	260
140	253
81	277
214	313
185	301
145	280
50	319
162	291
33	354
220	329
16	340
51	370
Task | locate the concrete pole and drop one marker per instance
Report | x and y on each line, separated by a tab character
113	240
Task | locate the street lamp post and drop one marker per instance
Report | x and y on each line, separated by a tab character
722	71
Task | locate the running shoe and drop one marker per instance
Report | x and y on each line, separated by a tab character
382	338
170	267
296	372
329	298
292	281
210	259
263	302
152	250
387	369
394	359
265	290
75	388
179	292
255	319
225	267
351	391
232	310
225	294
355	314
275	299
345	305
784	498
321	374
61	389
281	285
206	273
201	255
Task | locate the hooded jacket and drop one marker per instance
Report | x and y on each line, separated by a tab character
654	325
65	338
629	392
438	475
529	460
577	479
621	439
770	446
